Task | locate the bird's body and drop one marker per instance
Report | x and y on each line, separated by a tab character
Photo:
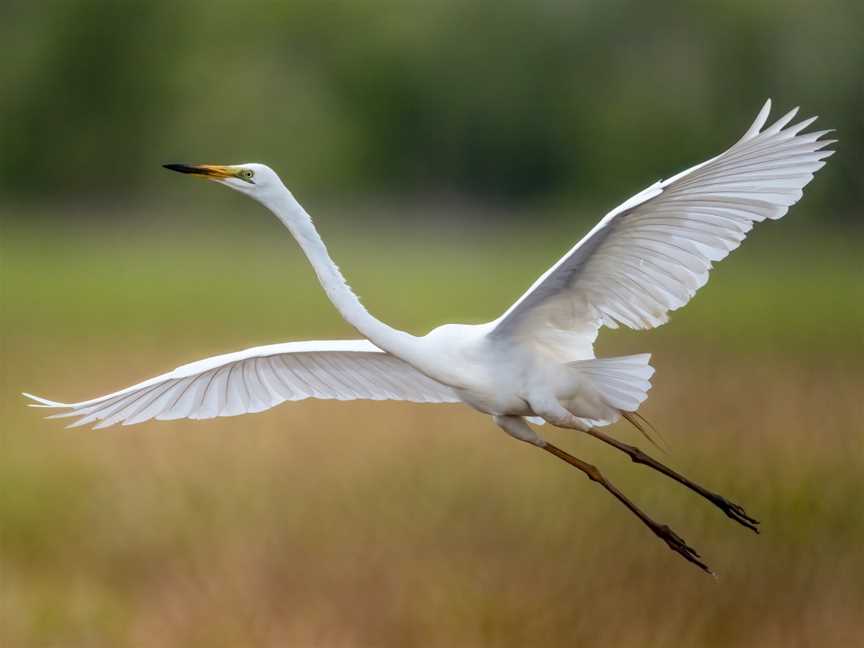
500	377
483	373
534	363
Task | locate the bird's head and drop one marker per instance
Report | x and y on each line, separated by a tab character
256	180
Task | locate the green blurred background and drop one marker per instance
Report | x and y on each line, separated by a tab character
450	152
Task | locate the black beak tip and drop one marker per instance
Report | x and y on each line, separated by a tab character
180	168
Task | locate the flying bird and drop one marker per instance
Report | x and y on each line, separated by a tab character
533	364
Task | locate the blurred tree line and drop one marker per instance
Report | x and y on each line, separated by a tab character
544	100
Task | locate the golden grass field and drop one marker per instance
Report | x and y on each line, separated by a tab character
386	524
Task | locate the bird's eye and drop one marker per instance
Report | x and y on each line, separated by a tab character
247	174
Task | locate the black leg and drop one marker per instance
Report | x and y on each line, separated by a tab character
731	509
662	531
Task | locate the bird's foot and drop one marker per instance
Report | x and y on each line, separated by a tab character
735	512
677	544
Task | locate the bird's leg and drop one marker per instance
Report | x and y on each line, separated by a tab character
662	531
731	509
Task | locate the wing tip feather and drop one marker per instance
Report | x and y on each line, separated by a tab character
759	122
42	402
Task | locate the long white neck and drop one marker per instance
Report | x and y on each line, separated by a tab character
295	218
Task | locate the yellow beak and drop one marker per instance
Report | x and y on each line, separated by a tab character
203	170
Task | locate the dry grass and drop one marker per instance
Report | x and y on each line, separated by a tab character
388	524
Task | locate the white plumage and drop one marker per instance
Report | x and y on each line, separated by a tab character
536	362
645	258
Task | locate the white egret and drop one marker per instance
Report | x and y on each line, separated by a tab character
535	362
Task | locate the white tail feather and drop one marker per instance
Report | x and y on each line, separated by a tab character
622	382
605	387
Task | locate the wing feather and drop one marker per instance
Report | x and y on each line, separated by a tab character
651	254
258	379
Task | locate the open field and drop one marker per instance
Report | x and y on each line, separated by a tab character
370	524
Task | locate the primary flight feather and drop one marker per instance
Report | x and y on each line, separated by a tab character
536	362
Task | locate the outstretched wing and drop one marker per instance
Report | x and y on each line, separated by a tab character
651	254
258	379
